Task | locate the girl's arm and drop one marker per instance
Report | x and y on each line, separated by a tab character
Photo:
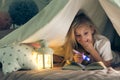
97	58
34	44
88	46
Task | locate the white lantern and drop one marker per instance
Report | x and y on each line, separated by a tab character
45	56
45	60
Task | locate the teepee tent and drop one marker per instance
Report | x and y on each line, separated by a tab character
112	9
53	21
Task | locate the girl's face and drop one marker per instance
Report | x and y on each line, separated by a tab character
84	34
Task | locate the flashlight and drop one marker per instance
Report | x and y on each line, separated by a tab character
86	58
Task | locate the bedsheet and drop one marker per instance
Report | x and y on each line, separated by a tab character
59	74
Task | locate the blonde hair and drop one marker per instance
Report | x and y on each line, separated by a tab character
70	42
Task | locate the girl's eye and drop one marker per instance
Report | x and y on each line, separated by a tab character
86	33
77	36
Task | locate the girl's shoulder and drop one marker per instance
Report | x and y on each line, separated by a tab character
99	37
101	40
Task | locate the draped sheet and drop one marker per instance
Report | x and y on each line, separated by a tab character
113	12
56	30
53	22
36	23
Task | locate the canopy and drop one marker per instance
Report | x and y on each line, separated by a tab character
112	9
53	21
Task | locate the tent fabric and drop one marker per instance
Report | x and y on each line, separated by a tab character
36	23
113	12
4	4
116	2
57	28
53	21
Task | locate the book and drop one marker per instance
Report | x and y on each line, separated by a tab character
76	66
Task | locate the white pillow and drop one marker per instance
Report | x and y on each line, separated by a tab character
17	56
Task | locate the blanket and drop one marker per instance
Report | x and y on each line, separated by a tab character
59	74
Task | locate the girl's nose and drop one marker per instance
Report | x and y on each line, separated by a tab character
84	39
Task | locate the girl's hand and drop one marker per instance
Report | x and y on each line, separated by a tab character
88	46
35	44
78	58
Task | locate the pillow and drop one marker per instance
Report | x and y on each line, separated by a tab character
17	56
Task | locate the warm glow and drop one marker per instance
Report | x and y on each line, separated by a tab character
45	61
34	54
48	61
40	61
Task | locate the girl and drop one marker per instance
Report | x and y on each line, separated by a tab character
83	37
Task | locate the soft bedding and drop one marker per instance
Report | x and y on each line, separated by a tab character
17	56
59	74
